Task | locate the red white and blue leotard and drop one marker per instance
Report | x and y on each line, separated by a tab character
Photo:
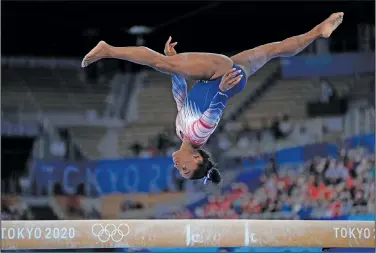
200	110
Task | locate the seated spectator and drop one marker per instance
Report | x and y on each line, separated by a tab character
315	187
323	187
327	92
336	172
271	166
359	199
136	148
285	126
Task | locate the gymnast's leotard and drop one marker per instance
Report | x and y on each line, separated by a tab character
200	110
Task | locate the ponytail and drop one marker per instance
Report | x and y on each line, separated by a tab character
207	169
213	175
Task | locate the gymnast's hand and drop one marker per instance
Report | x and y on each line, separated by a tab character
169	47
230	79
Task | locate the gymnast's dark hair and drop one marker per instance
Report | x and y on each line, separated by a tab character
207	169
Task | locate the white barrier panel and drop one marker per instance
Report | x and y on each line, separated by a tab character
63	234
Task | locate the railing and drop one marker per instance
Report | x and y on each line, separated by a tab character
130	108
359	121
116	94
122	98
40	148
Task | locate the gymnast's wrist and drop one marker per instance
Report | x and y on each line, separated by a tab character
222	93
221	89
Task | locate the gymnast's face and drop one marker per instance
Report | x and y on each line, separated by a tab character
186	162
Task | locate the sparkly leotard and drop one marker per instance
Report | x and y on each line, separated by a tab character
200	110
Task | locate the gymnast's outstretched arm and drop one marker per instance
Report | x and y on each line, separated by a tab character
179	85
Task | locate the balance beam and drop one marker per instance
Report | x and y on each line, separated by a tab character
65	234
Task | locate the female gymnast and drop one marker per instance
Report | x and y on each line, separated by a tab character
220	78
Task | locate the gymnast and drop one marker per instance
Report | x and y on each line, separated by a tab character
219	79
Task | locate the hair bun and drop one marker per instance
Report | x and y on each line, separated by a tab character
214	175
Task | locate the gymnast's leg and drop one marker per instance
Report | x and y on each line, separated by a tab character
253	59
203	66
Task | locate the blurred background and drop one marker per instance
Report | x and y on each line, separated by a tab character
95	143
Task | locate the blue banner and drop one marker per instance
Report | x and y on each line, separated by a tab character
303	153
367	141
104	176
328	65
154	174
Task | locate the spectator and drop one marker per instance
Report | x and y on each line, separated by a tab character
136	149
285	126
271	167
275	127
326	91
359	199
336	172
321	189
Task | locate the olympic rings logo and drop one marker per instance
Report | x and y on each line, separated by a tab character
110	231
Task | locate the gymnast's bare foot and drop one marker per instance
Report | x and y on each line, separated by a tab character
100	51
330	24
